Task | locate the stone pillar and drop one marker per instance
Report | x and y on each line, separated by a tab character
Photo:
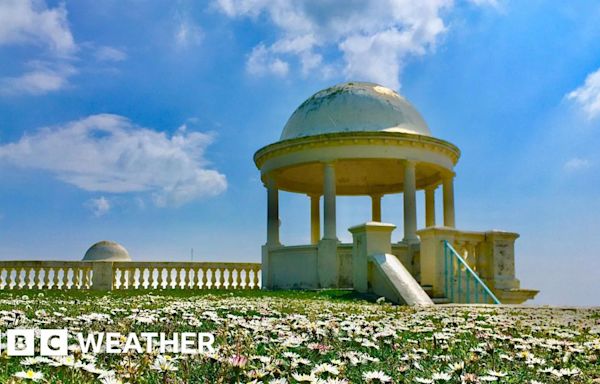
368	239
448	188
272	214
102	277
327	260
410	203
376	208
430	206
329	202
500	271
315	219
432	259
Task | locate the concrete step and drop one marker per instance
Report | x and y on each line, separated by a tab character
437	300
441	300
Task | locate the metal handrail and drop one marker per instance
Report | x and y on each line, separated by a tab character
450	285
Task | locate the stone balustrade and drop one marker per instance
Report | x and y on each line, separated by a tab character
124	275
471	246
490	254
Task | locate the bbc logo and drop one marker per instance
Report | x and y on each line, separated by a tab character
52	342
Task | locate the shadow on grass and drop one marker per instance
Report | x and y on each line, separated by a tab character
325	294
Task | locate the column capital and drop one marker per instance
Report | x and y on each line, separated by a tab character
448	176
410	162
269	182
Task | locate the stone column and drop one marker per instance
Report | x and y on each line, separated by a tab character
410	203
272	214
329	202
376	208
368	239
315	218
448	188
430	206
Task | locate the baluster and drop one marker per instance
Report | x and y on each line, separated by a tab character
9	278
175	279
161	278
204	278
230	278
131	278
446	293
47	282
138	278
452	273
25	281
186	277
196	281
256	278
460	272
2	280
149	277
468	283
55	279
36	276
68	278
213	278
85	276
167	278
222	278
76	278
132	275
247	280
238	277
65	278
154	284
22	278
143	278
120	278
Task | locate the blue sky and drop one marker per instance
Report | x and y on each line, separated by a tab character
137	120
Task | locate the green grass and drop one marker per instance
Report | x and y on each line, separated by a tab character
330	330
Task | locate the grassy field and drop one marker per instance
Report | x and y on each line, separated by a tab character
306	337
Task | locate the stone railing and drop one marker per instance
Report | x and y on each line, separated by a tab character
471	246
45	275
185	275
104	275
490	254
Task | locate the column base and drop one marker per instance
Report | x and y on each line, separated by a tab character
327	263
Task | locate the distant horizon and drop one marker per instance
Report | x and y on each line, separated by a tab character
137	122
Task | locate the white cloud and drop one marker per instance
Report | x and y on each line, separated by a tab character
187	33
99	206
587	96
576	164
492	3
108	153
32	22
110	54
261	62
372	39
42	78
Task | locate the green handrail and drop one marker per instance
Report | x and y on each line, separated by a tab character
451	285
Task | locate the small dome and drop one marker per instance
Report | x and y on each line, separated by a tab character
354	107
106	251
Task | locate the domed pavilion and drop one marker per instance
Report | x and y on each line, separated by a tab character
363	139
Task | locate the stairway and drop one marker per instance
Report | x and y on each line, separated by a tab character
436	299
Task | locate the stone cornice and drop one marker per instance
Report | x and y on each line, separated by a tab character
356	138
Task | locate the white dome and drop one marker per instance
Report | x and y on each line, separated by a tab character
354	107
106	251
